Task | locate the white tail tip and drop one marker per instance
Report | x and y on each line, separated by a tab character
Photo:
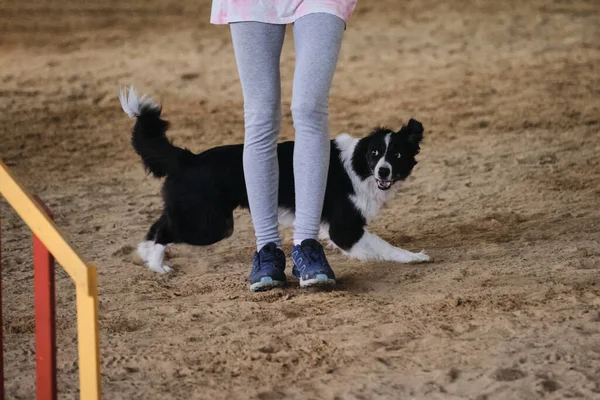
132	104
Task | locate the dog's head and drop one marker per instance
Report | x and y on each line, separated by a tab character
388	156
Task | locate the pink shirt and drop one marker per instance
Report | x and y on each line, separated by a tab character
276	11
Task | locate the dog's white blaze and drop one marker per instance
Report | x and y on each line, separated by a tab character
382	162
324	232
132	103
372	247
368	198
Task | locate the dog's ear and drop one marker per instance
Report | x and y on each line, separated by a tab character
413	131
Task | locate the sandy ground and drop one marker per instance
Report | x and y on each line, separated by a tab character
506	199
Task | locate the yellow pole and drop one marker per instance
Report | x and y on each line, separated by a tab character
85	278
88	338
42	226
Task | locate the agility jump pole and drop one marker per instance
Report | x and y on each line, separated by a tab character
49	244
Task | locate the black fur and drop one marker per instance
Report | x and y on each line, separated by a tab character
201	191
160	157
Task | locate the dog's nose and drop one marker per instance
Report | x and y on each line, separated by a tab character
384	172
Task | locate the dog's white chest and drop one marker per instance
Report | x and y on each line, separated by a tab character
369	199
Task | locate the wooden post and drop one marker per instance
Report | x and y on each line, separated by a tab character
88	338
45	318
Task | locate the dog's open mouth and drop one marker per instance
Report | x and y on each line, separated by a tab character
383	184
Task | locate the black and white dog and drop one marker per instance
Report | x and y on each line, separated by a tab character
201	191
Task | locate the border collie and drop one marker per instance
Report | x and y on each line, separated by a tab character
201	191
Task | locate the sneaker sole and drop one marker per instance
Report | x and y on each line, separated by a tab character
266	283
319	280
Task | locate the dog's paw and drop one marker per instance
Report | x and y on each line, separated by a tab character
330	245
405	256
161	269
420	256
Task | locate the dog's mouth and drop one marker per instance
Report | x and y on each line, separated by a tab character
383	184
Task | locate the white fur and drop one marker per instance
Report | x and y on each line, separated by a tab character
368	198
324	231
153	256
132	104
286	217
387	139
372	247
144	249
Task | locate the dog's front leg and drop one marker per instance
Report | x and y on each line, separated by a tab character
153	255
372	247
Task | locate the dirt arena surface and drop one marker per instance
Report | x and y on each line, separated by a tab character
506	200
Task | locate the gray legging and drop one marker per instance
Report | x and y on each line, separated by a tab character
257	46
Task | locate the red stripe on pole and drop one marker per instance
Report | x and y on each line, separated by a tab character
45	320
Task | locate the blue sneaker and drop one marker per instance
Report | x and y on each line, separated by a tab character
268	268
310	264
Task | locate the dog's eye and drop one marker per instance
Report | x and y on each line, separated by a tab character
375	153
398	155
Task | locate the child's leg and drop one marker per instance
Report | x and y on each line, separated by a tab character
317	39
257	51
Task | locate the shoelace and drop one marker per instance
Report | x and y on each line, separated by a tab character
314	253
262	261
265	257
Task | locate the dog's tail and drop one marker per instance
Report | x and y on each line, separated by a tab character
149	138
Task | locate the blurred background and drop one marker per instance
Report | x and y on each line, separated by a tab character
505	199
